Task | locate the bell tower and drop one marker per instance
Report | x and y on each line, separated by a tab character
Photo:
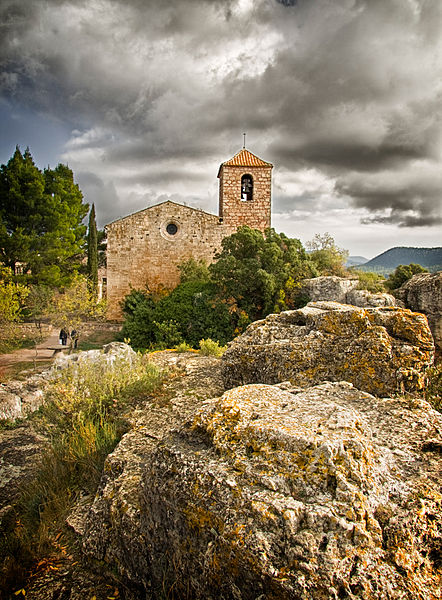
245	191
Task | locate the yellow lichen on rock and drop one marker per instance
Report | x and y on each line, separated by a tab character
275	492
327	341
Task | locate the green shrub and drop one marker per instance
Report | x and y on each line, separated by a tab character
191	311
138	310
183	347
403	273
167	334
194	270
210	348
301	301
372	282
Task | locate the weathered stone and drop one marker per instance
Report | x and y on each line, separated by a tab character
108	354
338	289
328	288
423	293
366	299
20	398
19	452
10	405
379	350
323	494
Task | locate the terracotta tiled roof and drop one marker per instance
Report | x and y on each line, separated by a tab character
244	158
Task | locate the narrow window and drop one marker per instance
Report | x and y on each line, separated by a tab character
246	188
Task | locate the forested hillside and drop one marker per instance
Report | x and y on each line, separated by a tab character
430	258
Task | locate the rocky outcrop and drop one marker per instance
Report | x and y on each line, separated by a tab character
20	450
423	293
366	299
338	289
328	288
379	350
20	398
275	493
106	355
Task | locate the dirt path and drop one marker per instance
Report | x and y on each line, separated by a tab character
45	351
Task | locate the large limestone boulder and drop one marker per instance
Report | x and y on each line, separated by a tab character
366	299
109	354
328	287
266	493
343	290
20	398
379	350
423	293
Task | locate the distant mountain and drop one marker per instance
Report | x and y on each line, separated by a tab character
385	263
353	261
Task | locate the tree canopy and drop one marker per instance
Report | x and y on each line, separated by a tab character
41	213
12	297
259	274
403	273
328	258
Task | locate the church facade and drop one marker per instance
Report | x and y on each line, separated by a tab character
144	249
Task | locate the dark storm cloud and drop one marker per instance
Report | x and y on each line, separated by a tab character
350	89
103	195
413	200
362	96
163	176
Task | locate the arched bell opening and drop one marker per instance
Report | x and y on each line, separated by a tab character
247	188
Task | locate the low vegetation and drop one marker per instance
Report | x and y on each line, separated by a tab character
96	339
210	348
372	282
86	413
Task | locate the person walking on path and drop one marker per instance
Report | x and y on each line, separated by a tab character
63	337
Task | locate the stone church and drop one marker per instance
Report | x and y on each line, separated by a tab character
144	249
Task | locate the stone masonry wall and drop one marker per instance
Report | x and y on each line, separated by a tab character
141	252
236	212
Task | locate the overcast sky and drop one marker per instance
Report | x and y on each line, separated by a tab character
145	98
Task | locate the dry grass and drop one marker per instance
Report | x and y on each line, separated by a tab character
84	415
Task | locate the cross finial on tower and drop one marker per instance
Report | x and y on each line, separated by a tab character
244	145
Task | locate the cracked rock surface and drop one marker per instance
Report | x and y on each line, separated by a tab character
380	350
275	492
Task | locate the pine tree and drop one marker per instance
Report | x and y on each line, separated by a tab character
41	215
92	253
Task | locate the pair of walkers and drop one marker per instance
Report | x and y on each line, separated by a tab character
63	337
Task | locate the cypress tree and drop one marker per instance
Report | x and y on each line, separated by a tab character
92	252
